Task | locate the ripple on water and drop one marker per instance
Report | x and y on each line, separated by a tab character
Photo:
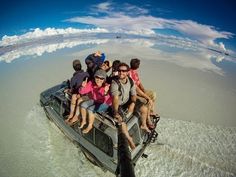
183	149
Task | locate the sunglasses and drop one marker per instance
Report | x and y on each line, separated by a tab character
100	78
123	70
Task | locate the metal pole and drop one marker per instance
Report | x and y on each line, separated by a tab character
125	167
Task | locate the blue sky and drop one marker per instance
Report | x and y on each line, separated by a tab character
210	22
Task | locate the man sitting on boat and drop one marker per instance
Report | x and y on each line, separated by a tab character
123	92
148	97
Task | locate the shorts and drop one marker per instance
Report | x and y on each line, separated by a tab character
138	105
151	94
93	107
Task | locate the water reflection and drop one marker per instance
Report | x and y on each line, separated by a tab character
181	51
38	49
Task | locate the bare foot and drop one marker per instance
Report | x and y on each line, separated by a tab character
82	124
87	129
150	125
132	145
75	118
69	119
118	118
145	128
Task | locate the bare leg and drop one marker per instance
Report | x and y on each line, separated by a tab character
90	125
78	108
77	112
144	115
129	138
149	121
72	108
83	115
153	97
131	108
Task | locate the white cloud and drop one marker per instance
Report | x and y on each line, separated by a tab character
222	46
103	6
129	19
133	20
110	7
48	32
144	49
204	33
142	25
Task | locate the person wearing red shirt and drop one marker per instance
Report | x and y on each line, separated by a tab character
147	96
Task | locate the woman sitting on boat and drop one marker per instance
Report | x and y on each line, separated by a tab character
99	101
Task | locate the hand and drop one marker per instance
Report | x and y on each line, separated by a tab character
106	88
66	90
118	117
149	101
78	96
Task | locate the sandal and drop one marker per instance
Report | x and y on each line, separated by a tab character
155	115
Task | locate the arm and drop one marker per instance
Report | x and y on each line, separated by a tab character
133	98
106	89
141	87
142	94
132	104
115	100
115	104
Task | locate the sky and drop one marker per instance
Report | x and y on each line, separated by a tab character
211	23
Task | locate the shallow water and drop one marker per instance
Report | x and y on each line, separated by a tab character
183	149
196	99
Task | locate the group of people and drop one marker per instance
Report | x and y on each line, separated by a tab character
95	90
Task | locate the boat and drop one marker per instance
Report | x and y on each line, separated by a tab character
100	145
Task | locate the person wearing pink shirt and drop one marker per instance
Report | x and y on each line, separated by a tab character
100	99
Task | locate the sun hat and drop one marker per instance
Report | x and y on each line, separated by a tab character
100	73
